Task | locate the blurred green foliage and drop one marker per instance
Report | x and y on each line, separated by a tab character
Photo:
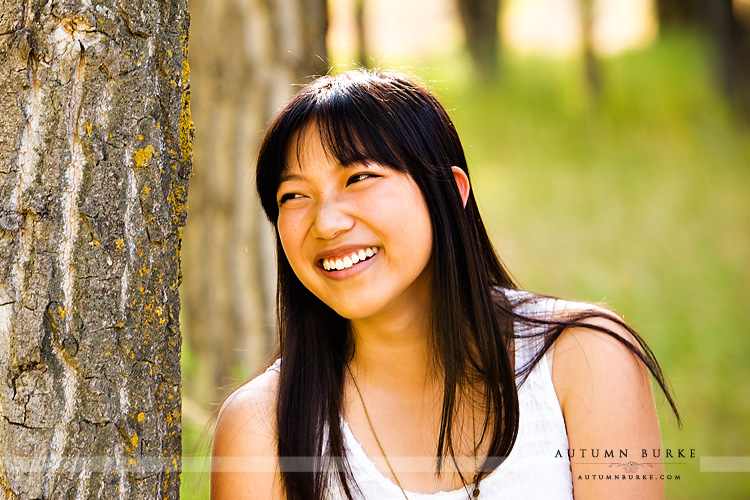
642	200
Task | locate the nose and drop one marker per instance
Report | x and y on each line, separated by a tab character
332	219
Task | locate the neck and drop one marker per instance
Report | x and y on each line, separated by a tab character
393	352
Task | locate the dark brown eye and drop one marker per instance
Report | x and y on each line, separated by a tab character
288	196
359	177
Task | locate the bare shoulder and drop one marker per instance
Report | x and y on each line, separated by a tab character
607	402
254	401
244	447
588	361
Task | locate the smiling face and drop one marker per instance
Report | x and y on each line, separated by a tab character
358	237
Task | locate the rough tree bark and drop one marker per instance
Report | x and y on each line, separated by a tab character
480	22
247	56
95	152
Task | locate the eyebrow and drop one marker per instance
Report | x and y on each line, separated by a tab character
290	177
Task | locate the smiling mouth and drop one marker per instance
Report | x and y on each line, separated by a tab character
349	260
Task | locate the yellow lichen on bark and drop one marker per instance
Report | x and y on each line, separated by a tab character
186	120
142	156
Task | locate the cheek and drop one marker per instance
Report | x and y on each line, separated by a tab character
426	234
282	228
289	233
424	237
415	226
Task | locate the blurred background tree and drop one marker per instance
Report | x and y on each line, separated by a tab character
727	23
730	26
361	30
672	13
643	196
592	70
246	57
480	26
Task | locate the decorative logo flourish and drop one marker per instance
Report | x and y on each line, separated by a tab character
630	466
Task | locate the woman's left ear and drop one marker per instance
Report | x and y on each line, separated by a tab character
462	181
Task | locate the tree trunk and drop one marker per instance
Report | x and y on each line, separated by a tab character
480	22
247	56
731	30
95	152
679	12
363	51
592	69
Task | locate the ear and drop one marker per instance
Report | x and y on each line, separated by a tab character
462	181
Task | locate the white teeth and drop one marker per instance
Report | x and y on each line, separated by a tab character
348	261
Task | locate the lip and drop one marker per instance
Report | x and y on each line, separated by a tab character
340	252
351	271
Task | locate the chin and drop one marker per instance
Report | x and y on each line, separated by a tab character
351	313
354	311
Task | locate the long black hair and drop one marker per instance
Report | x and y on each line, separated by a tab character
390	119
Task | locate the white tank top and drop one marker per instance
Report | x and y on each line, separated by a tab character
532	471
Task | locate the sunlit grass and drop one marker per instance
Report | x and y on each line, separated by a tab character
197	426
639	199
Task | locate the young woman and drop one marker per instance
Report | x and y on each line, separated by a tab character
409	365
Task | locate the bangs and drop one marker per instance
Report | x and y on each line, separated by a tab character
348	137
